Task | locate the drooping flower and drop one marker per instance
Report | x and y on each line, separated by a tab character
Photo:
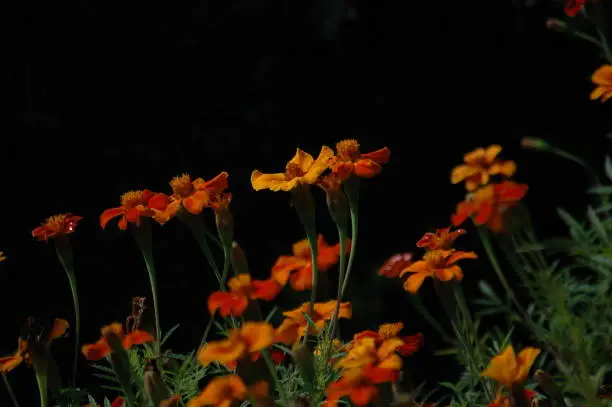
479	165
394	265
572	7
301	169
411	343
30	341
249	338
602	77
195	195
57	225
507	368
295	324
438	264
297	269
226	391
101	348
134	205
350	160
443	239
242	289
489	204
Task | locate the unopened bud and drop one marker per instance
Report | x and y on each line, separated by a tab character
533	143
556	25
302	356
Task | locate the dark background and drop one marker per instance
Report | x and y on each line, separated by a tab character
108	97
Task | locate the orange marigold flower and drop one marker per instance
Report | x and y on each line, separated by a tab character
411	343
135	204
101	348
489	204
395	264
349	160
507	368
366	365
26	345
295	323
242	289
57	225
442	239
249	338
572	7
301	169
2	256
479	165
222	391
195	195
602	77
297	269
439	264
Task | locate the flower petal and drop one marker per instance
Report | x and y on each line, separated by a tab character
273	182
414	282
318	166
110	214
380	156
302	160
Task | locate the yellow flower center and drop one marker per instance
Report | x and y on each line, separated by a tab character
56	223
348	150
131	199
182	185
293	171
387	331
435	258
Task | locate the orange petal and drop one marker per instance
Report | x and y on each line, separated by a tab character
301	280
218	184
363	395
492	152
60	326
411	344
414	282
196	202
380	156
137	337
302	160
273	182
420	266
265	289
96	351
227	303
395	264
224	351
258	335
301	249
9	363
459	255
110	214
483	212
366	168
287	332
158	202
461	172
284	266
318	166
464	210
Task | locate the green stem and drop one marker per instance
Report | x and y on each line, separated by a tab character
9	388
202	234
41	381
227	253
430	318
63	250
342	267
142	235
281	390
352	195
486	243
312	241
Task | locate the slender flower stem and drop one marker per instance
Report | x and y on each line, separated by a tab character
312	241
142	235
63	250
201	234
9	388
486	242
41	381
341	273
281	390
352	194
227	253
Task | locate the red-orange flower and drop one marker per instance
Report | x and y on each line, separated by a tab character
438	264
242	289
479	165
249	338
442	239
349	160
489	204
369	362
118	402
135	204
411	343
101	348
572	7
58	225
226	391
295	323
194	195
395	264
29	344
297	269
502	400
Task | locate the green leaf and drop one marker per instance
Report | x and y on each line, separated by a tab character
600	189
487	290
576	230
597	225
608	167
167	334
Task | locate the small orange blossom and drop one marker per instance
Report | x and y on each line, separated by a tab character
58	225
134	204
349	160
479	165
507	368
295	323
242	289
101	348
602	77
249	338
442	239
411	343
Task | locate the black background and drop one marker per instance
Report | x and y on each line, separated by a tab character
107	97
